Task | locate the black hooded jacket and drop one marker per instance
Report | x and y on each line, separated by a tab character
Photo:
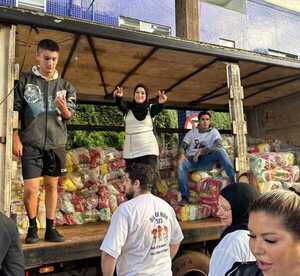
42	125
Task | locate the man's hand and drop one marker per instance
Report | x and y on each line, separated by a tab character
61	104
118	92
162	97
17	144
198	153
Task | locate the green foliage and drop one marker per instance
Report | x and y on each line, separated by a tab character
167	119
111	116
221	120
96	115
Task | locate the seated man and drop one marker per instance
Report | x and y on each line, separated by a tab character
200	150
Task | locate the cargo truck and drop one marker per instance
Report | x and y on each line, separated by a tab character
252	87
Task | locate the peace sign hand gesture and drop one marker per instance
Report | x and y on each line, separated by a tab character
118	92
162	97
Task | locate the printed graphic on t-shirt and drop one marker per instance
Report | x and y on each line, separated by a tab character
160	233
199	144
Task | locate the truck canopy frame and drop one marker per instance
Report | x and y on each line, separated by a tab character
96	58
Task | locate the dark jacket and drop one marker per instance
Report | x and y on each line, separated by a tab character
244	269
42	125
11	255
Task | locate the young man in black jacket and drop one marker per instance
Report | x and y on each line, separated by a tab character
44	102
11	255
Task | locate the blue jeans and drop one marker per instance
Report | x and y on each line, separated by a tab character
204	163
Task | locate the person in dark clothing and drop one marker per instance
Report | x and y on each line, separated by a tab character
274	226
140	144
44	102
233	210
11	255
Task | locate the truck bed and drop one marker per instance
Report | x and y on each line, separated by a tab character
83	241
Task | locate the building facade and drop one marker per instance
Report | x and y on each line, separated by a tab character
259	26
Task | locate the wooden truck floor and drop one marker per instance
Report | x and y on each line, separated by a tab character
83	241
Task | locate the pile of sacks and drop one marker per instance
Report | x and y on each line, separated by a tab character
91	190
205	188
273	170
93	187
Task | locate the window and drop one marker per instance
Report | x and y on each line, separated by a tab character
135	24
235	5
227	42
32	4
281	54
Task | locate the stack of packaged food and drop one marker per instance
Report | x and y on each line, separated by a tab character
91	190
93	187
273	170
205	187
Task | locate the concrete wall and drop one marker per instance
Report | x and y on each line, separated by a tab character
279	120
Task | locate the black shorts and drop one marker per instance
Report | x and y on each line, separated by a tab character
37	162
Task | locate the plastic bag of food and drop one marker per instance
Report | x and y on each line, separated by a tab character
193	212
198	176
112	189
96	157
92	184
66	203
183	213
111	154
113	203
162	187
121	197
117	164
209	188
69	163
103	202
105	214
42	214
78	218
91	216
80	156
286	174
76	179
68	185
173	196
78	203
59	218
69	219
91	202
263	148
103	190
204	211
104	169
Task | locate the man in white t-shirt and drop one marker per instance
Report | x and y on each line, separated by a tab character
200	150
144	234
